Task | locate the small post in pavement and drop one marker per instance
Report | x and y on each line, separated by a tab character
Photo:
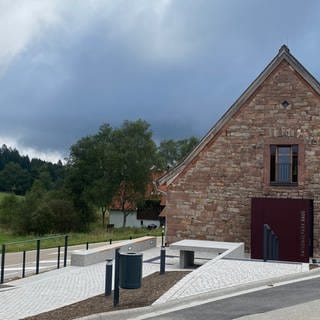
162	260
116	279
162	237
3	254
65	251
108	284
38	256
24	263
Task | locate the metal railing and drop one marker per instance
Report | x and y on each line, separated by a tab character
38	249
270	244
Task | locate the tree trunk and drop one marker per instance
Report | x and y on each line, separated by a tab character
103	211
123	202
124	219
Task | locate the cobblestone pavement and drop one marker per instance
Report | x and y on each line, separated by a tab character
54	289
227	273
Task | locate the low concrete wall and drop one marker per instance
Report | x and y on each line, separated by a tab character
188	247
84	258
236	253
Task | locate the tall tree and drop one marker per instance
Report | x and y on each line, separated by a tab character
114	164
93	161
136	155
171	152
15	179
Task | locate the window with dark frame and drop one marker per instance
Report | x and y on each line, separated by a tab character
284	164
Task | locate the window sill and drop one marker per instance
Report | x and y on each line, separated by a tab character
284	184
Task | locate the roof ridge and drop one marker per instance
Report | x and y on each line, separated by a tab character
284	48
284	54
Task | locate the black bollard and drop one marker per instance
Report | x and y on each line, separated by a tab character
3	254
65	251
24	264
162	260
162	236
38	256
108	285
116	278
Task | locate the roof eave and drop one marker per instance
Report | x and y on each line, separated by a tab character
284	54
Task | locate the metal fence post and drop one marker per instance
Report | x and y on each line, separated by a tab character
273	246
38	256
87	246
24	264
58	260
270	235
265	242
276	248
3	254
108	284
65	251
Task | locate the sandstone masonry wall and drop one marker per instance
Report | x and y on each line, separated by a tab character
211	199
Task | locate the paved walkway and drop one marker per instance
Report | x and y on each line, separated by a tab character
54	289
227	273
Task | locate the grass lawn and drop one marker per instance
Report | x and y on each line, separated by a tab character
8	237
5	194
97	234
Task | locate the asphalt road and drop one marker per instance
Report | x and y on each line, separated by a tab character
259	302
48	261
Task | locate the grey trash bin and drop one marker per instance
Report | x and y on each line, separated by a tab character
130	270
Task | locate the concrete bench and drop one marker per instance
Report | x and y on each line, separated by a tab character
83	258
188	247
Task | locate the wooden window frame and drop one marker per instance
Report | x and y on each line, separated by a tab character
289	181
283	141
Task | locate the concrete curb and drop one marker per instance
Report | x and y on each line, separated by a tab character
174	305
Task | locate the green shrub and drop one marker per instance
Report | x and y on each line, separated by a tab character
42	220
64	215
8	207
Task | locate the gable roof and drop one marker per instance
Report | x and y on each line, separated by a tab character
284	54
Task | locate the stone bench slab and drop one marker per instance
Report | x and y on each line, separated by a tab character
83	258
188	247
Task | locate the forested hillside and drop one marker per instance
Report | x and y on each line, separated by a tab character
18	172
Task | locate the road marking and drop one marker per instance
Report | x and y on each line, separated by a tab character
45	261
55	253
20	269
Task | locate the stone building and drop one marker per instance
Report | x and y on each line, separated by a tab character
259	165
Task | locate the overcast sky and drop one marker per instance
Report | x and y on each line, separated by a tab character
66	67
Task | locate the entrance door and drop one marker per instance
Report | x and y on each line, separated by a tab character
292	222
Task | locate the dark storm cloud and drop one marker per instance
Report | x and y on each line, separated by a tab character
177	64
